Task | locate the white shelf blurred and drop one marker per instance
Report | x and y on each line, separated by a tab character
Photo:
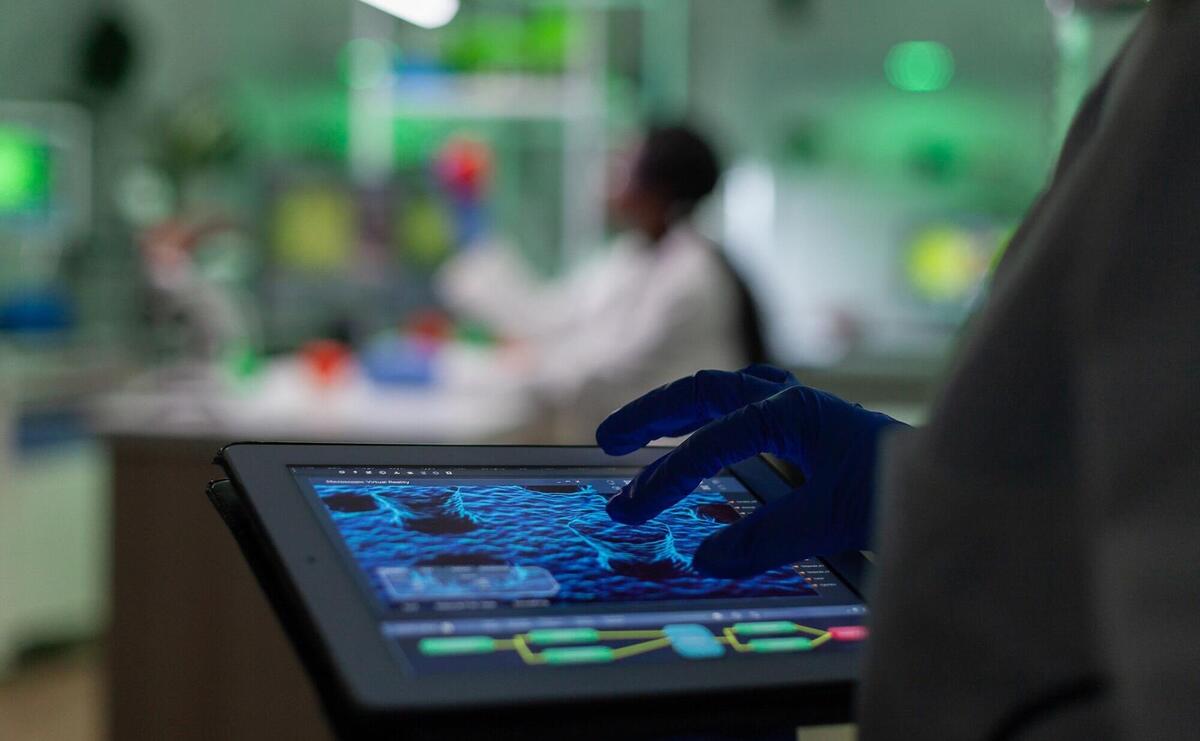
285	404
484	96
576	98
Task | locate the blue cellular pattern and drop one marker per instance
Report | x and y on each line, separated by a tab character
567	533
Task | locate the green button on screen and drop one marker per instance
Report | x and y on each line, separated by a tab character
758	629
578	655
551	636
777	645
457	645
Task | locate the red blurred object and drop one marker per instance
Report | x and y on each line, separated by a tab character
464	167
327	360
430	329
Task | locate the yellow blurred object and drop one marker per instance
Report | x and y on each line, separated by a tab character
425	233
945	264
314	228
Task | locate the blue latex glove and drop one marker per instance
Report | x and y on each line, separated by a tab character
735	416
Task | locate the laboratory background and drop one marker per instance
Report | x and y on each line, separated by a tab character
313	220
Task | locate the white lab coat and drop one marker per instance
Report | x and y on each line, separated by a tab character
620	324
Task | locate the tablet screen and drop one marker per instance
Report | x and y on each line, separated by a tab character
472	562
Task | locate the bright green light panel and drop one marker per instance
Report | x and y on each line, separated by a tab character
920	66
24	171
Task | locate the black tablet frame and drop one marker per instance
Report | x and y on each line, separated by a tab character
318	598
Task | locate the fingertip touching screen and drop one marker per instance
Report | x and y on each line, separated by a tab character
478	568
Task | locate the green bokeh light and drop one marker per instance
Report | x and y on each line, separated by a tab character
24	171
920	66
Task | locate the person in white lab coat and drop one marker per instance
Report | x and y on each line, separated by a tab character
659	302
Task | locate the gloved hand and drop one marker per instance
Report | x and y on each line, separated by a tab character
737	415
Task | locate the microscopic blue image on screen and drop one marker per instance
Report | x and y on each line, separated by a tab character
509	541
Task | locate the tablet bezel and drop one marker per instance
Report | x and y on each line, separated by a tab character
349	629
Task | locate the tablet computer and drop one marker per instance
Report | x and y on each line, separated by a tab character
451	583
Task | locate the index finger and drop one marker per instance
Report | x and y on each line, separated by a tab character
735	437
682	406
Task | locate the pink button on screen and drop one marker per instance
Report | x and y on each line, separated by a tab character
848	632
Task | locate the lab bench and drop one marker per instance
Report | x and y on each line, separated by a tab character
194	651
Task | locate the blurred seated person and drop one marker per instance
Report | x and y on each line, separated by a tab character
659	303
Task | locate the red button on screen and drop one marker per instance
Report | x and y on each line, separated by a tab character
848	632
